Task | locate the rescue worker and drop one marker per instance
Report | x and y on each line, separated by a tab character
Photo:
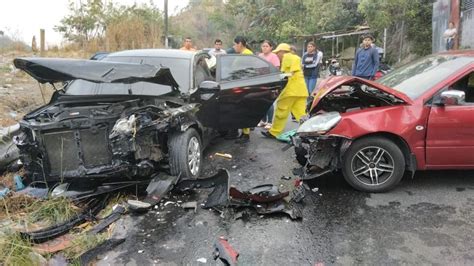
240	47
294	95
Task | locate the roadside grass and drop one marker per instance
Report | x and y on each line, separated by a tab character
15	250
18	212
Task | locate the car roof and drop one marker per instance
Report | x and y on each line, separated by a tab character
173	53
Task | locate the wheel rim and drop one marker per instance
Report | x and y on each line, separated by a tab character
194	155
372	166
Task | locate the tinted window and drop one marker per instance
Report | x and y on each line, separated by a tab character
235	67
180	68
418	77
83	87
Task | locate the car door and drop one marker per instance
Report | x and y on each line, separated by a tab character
450	134
247	87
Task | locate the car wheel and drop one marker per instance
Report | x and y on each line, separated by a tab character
185	154
373	164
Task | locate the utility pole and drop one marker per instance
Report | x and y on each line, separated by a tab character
166	23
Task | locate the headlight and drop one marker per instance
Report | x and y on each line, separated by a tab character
320	124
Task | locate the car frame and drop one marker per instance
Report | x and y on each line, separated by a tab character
374	134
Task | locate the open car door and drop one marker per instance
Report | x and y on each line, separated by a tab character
245	88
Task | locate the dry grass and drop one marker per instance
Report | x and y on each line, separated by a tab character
15	250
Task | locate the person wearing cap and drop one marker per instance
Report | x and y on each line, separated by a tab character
294	95
366	61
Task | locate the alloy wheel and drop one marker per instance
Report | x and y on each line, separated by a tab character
372	166
194	155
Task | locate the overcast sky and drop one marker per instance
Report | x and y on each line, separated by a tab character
24	18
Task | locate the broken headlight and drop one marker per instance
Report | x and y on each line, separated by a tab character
320	124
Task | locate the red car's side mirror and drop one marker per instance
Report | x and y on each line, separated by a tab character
452	97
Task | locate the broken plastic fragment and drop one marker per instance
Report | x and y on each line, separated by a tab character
224	155
202	260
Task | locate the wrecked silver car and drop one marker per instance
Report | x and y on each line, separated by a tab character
126	116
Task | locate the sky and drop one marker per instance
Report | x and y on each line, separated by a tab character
21	19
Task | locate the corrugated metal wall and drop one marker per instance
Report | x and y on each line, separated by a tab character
467	24
441	12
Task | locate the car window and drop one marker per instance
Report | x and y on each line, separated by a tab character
235	67
465	84
83	87
418	77
179	67
202	72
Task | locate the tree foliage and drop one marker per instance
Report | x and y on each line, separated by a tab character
112	26
120	27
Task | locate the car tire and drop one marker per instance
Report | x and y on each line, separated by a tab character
185	154
373	164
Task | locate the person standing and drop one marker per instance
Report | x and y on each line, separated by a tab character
366	61
240	47
294	95
217	50
267	54
311	60
188	45
449	35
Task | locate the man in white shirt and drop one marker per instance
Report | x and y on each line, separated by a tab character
217	50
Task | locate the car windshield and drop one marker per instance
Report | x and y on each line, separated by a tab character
83	87
418	77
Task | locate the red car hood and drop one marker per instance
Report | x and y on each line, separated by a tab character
334	82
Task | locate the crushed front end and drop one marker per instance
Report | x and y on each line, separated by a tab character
119	139
319	153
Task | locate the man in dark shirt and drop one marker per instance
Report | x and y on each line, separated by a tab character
366	61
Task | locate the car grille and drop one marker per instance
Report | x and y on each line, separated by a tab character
65	153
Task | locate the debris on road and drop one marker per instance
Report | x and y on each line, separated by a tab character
202	260
285	177
265	199
225	252
190	205
158	187
90	255
224	155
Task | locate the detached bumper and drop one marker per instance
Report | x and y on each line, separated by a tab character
319	155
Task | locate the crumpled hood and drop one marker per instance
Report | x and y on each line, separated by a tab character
51	70
334	82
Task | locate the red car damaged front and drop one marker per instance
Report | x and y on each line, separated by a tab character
347	109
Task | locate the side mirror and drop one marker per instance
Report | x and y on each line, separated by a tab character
452	97
209	86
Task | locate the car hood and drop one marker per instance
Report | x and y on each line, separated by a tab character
333	83
51	70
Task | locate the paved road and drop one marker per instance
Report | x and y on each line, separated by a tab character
425	220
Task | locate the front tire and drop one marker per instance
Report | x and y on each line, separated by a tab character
185	154
373	164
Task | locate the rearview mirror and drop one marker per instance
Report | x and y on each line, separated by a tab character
452	97
209	86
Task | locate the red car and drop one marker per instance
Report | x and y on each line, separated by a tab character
418	117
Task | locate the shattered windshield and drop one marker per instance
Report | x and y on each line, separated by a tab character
418	77
83	87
